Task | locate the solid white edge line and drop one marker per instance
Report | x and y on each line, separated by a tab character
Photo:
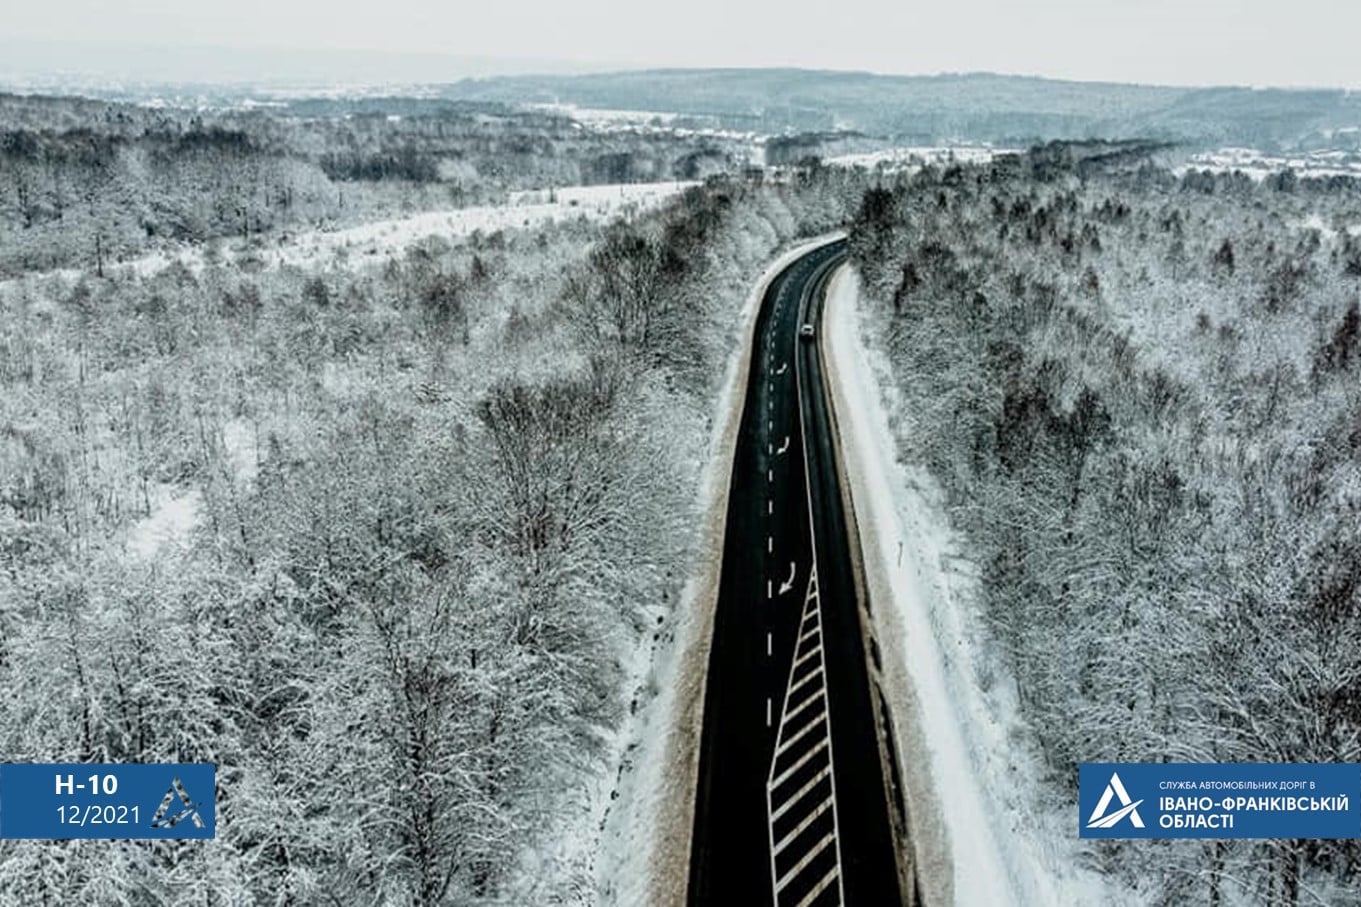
812	577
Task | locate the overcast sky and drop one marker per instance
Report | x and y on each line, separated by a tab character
1251	42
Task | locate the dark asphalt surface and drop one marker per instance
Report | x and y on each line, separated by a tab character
791	806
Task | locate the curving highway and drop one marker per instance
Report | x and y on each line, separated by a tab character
796	802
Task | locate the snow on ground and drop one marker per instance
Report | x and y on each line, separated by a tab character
172	519
644	855
972	785
605	118
1259	165
644	122
176	511
599	199
239	444
595	203
526	209
914	158
1315	222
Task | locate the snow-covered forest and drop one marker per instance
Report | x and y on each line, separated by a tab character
380	538
1142	394
86	183
387	523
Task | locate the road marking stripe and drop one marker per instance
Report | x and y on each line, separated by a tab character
770	544
803	824
799	646
787	773
819	888
767	711
803	732
812	698
768	648
817	628
807	655
770	507
805	860
807	677
800	793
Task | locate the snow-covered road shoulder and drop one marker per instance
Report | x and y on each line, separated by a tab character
976	837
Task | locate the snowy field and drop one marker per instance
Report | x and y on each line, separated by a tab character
605	118
649	122
525	210
1259	165
912	158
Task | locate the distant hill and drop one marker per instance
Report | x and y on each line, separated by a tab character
974	107
977	107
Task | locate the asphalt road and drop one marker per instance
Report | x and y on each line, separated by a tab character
792	806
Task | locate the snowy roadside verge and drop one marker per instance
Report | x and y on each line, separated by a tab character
977	837
645	849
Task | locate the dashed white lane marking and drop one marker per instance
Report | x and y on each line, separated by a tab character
770	475
768	644
770	507
770	544
767	711
769	587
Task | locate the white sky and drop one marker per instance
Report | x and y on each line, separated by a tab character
1253	42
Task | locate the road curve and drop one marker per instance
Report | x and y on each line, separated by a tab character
793	800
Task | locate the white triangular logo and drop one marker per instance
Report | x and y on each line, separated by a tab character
163	818
1100	819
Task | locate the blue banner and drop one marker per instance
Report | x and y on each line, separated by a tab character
1219	800
89	800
